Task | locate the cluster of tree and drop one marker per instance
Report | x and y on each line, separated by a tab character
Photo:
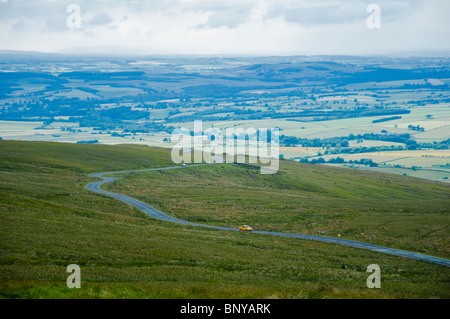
117	134
87	89
339	160
364	161
412	86
364	149
341	141
426	101
437	145
416	128
385	119
319	160
70	129
48	108
338	114
340	145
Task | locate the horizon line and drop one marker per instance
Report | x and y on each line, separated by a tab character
105	53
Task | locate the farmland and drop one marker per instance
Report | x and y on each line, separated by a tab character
344	127
324	107
430	164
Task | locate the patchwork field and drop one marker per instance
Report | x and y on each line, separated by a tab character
428	164
408	158
436	127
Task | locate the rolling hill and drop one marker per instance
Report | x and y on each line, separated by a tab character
48	221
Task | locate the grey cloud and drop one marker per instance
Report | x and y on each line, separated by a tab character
227	17
323	13
51	16
405	23
100	19
315	15
20	25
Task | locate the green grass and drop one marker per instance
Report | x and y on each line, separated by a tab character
434	174
48	221
82	158
394	211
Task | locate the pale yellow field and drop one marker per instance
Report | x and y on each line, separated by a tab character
301	149
416	153
427	125
14	128
441	133
295	152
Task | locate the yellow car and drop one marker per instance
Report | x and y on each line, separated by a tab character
245	228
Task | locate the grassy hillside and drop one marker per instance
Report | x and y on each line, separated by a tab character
390	210
48	221
82	158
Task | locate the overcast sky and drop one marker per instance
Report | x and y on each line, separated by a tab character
249	27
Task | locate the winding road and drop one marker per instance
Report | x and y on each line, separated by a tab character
153	212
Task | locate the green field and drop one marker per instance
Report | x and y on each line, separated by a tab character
48	221
302	198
